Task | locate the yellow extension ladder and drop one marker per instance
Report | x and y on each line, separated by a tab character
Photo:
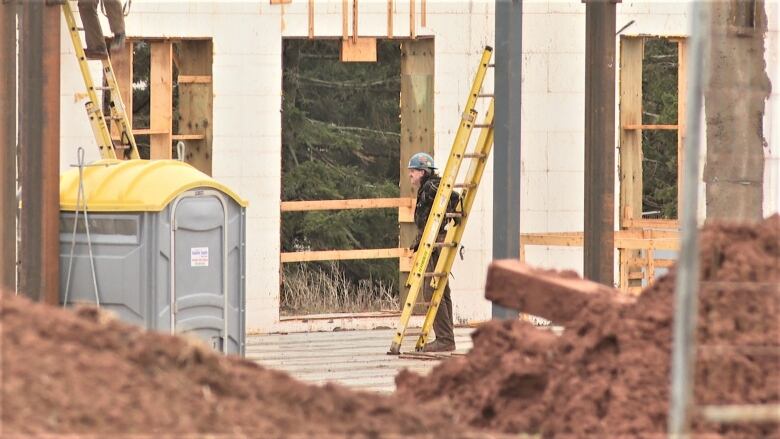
438	215
97	120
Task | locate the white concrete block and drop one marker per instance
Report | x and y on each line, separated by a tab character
533	191
533	154
566	73
566	258
536	33
565	221
565	191
537	256
567	7
535	72
536	7
569	36
532	221
566	151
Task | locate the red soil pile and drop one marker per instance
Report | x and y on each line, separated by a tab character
85	373
609	373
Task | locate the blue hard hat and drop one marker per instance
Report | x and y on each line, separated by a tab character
421	161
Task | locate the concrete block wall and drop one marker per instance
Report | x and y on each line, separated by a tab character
247	84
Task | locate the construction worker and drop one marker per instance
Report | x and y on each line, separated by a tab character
422	175
96	43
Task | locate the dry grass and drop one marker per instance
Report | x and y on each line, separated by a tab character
309	290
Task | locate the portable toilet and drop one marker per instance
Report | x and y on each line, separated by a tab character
167	247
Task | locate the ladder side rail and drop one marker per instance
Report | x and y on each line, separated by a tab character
119	111
455	233
97	119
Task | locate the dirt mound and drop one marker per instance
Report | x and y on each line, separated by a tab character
66	372
608	374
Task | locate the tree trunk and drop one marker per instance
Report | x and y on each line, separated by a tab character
734	105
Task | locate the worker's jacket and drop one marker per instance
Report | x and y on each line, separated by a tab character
425	196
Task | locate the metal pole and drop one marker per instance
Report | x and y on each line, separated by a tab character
599	250
686	294
39	102
8	204
506	156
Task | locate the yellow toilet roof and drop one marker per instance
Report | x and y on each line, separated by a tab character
135	185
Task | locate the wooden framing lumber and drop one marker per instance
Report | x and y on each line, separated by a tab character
161	100
122	63
390	19
649	127
417	133
546	294
682	94
358	50
311	18
341	255
363	203
630	159
412	29
196	102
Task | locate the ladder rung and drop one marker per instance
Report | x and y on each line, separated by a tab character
465	185
445	244
436	274
486	95
102	88
454	215
475	155
483	125
492	65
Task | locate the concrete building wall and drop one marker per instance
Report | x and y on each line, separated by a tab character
247	84
553	117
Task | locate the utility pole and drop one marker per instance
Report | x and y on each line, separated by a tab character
39	132
599	258
735	96
506	150
8	204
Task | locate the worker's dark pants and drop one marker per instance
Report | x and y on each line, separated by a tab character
442	324
88	9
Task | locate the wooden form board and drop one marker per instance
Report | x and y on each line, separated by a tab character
404	254
630	157
682	108
358	50
637	247
417	117
161	100
196	102
122	63
364	203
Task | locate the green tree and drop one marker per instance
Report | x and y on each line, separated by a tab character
341	140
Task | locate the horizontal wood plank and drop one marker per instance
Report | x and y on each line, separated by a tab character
366	203
194	79
189	136
649	127
341	255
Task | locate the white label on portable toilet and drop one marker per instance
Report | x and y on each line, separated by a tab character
199	257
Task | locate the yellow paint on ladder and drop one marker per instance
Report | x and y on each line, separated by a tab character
438	211
96	117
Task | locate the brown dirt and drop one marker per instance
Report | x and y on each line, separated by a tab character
608	374
83	372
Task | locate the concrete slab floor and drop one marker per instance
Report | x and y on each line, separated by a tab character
356	359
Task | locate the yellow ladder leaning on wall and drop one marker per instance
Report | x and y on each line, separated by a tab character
438	215
96	118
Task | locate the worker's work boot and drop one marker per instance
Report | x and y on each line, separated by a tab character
95	53
439	346
118	42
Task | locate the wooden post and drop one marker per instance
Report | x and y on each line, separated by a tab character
390	19
311	18
161	100
122	63
196	102
599	140
8	204
417	112
39	139
682	92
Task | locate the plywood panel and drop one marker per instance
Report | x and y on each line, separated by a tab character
417	104
362	50
195	109
161	100
122	63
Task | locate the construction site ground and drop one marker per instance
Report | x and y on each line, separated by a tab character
356	359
